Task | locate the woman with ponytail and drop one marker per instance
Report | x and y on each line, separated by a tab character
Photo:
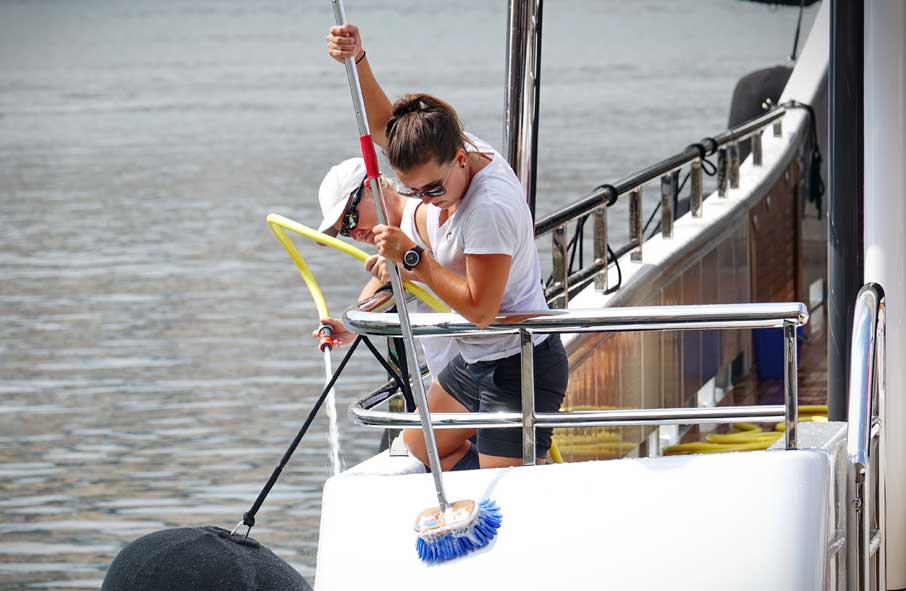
484	262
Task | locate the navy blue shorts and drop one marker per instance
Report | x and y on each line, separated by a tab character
495	386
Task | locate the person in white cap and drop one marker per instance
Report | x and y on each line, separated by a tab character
348	210
346	203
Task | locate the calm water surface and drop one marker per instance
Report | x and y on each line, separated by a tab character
154	349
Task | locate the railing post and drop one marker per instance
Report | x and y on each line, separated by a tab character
695	199
791	384
859	527
756	148
722	172
734	165
601	247
528	398
635	223
668	189
866	384
879	458
778	127
561	270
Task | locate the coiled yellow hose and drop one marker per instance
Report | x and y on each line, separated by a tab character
747	436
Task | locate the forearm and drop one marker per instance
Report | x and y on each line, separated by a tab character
457	292
370	288
377	105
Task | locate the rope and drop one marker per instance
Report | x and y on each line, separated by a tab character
798	28
248	519
815	184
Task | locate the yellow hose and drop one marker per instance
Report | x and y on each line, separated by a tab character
609	449
277	225
806	419
742	437
747	436
746	427
699	447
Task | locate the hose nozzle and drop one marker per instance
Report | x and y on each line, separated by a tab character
325	332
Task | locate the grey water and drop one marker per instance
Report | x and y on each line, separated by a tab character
155	349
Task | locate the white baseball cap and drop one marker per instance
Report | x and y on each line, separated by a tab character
338	185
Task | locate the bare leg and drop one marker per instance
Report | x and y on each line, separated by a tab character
487	461
452	444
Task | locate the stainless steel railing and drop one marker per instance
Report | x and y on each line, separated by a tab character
866	390
725	144
653	318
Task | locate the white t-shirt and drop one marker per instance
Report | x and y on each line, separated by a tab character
494	218
439	351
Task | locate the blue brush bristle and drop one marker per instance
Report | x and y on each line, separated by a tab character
452	546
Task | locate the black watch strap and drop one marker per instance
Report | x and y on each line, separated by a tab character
412	257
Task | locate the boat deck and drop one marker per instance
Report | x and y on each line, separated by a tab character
812	381
812	377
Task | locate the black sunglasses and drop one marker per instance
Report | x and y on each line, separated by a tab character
351	216
437	191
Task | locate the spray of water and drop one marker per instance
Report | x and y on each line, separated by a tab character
333	432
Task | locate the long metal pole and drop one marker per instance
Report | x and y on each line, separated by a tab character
515	81
523	92
371	166
531	107
845	193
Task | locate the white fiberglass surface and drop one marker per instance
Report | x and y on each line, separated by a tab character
741	521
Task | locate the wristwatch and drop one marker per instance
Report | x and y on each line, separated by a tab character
412	257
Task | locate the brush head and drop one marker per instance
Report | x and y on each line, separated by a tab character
464	527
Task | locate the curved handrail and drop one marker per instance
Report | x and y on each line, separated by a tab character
866	387
641	318
278	224
634	417
862	376
716	316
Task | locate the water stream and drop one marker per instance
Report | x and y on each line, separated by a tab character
330	406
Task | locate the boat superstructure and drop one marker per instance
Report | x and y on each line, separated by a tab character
659	334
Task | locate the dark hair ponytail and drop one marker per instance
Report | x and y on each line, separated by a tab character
421	128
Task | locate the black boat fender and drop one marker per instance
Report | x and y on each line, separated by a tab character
200	559
752	91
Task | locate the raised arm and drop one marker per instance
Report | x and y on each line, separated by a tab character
344	42
475	297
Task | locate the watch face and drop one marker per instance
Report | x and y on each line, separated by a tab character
411	258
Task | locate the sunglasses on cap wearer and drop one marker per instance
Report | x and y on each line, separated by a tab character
438	191
351	215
